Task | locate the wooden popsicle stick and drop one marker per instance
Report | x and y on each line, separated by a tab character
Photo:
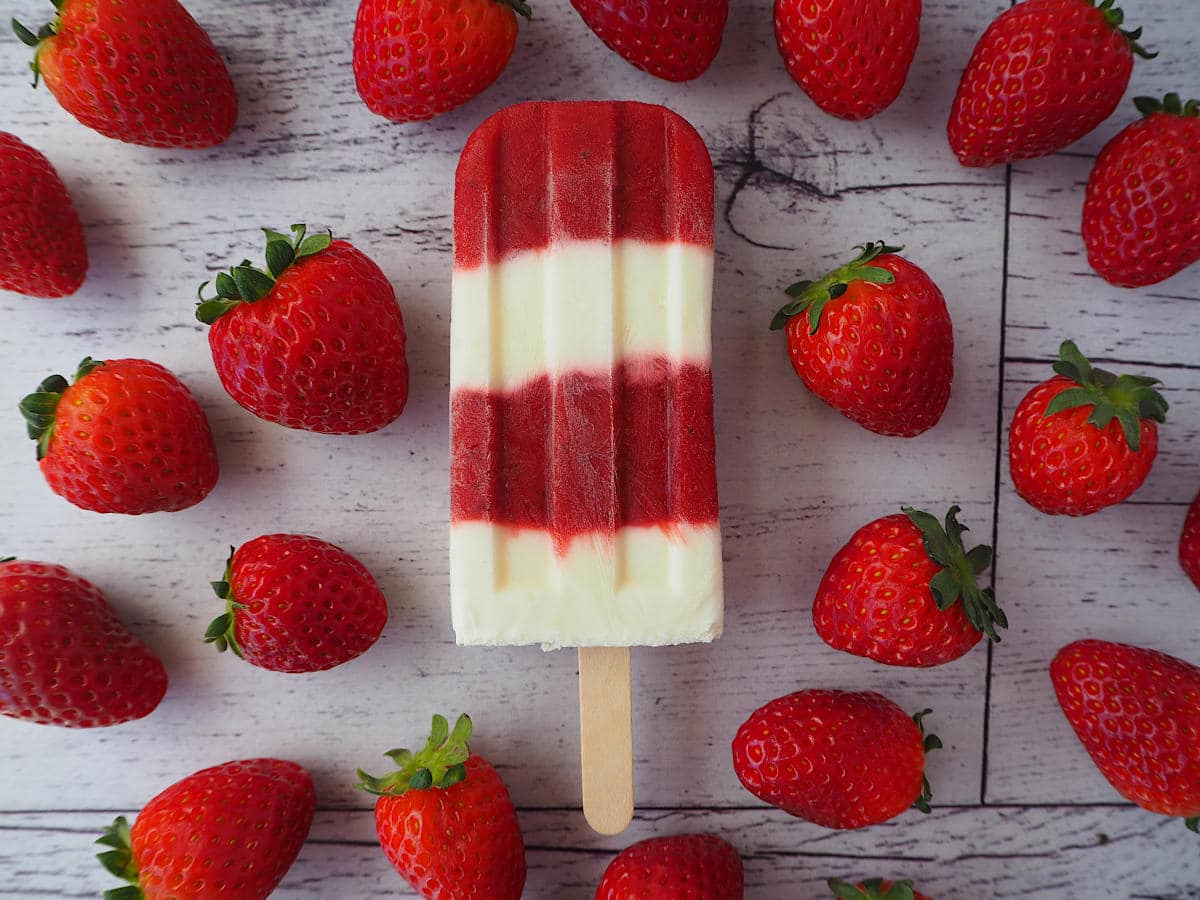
606	737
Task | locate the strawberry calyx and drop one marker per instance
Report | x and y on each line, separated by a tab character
34	38
958	578
871	889
931	742
1115	17
811	297
119	860
1126	398
440	764
1171	104
39	408
1193	824
244	283
4	559
222	631
521	8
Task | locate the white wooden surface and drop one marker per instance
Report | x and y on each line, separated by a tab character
1023	812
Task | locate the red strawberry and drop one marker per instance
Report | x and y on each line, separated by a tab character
1141	217
893	593
42	250
837	758
1189	543
445	820
316	344
65	657
875	342
1085	439
696	866
670	40
415	59
875	889
140	71
1137	713
1044	74
231	831
296	604
126	437
850	56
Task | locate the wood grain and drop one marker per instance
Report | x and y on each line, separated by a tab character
795	190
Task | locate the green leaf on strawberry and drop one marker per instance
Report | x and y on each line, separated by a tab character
1126	398
39	408
244	283
440	764
811	297
222	631
1171	104
872	889
930	742
119	860
957	580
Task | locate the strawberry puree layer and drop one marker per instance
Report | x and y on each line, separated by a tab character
537	174
589	452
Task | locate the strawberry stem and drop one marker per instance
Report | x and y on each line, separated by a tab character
520	7
34	39
245	284
871	889
1116	18
931	742
119	860
1170	104
39	408
440	764
812	296
222	631
958	578
1126	398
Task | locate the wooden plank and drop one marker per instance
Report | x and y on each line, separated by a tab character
1113	575
1048	853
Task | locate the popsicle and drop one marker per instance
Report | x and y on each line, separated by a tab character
583	497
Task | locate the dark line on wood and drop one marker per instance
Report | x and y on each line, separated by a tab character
1110	361
757	807
991	647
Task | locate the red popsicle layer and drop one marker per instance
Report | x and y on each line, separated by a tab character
587	452
544	173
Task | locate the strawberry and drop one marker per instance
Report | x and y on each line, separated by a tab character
1044	74
1189	543
1085	439
230	831
850	56
875	341
42	250
875	889
696	866
1141	216
416	59
126	437
1137	712
296	604
904	592
140	71
65	657
672	41
316	342
445	820
837	758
